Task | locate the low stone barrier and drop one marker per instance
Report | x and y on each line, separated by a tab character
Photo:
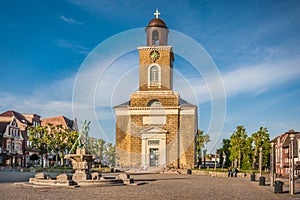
218	174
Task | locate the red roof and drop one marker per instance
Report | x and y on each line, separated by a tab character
15	114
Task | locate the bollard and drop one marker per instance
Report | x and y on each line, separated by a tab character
262	180
189	171
253	177
278	187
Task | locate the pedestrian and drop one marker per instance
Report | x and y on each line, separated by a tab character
235	171
229	172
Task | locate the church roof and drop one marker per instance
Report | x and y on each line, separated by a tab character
125	104
157	22
183	102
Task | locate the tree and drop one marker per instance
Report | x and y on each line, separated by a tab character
38	139
224	151
56	140
201	140
261	138
100	149
247	152
237	141
59	140
33	158
109	151
96	148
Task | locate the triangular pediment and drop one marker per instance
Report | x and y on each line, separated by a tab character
153	130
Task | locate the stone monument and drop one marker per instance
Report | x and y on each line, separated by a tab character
81	162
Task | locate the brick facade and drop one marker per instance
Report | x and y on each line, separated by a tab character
156	127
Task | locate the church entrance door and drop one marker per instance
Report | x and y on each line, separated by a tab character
154	150
153	157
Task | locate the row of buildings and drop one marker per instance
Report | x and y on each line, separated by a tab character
287	150
15	148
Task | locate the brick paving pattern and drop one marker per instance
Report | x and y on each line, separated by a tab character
157	186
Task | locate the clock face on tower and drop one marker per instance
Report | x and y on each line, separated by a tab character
154	55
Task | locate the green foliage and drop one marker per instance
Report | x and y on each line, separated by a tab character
38	138
225	151
110	155
261	138
201	140
34	157
247	152
71	139
102	151
60	139
50	138
96	148
237	142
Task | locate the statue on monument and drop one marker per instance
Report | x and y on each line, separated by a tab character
84	134
82	139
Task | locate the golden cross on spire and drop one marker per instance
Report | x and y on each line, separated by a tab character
157	13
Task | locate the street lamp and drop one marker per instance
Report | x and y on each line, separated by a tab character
261	178
292	136
260	161
272	164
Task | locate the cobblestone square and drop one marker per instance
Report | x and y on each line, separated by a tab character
157	186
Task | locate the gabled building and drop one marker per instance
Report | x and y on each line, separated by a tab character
33	120
61	120
283	153
11	142
14	145
58	120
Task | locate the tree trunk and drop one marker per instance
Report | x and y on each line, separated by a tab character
42	157
239	160
254	157
61	159
56	159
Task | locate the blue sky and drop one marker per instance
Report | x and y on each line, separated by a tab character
254	44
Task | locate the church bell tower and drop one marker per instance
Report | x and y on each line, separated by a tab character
156	58
155	128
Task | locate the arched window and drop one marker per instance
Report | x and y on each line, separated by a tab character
154	103
155	40
154	75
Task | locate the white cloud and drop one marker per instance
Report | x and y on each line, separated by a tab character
45	108
69	20
121	78
259	78
253	80
78	48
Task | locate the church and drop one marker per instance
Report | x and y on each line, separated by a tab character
156	127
